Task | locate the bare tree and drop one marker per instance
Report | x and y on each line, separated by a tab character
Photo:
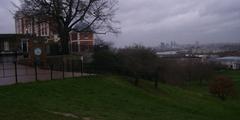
67	14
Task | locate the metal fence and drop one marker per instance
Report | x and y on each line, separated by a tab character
12	72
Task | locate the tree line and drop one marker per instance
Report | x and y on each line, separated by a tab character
142	63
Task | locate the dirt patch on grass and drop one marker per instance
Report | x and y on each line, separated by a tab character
70	115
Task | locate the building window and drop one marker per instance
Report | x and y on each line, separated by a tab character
84	46
6	46
74	36
41	29
20	26
74	47
44	31
85	36
36	29
24	46
28	26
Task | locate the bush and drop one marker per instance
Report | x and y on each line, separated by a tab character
138	62
105	59
142	63
186	71
53	49
222	87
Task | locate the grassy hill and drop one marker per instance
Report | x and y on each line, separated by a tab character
112	98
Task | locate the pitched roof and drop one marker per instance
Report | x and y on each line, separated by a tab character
82	27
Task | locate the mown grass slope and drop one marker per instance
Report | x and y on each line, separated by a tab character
107	97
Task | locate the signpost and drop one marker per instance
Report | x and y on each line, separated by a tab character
37	53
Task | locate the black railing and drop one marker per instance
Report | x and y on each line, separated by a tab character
12	72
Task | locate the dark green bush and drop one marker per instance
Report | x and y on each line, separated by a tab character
105	59
138	62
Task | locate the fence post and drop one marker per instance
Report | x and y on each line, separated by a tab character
36	76
63	70
72	69
51	71
82	67
3	70
16	75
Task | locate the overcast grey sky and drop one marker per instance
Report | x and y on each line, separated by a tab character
150	22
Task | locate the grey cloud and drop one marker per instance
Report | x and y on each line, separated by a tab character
6	17
150	22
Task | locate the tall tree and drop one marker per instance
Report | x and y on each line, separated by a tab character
95	14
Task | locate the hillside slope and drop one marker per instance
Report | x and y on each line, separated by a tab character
110	98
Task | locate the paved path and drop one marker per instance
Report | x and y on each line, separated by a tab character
26	74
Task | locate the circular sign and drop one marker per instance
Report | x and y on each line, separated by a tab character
37	51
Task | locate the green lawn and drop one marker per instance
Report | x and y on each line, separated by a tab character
111	98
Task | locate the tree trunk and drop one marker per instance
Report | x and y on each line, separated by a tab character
64	36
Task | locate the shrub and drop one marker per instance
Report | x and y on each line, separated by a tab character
138	62
104	58
186	71
222	87
53	49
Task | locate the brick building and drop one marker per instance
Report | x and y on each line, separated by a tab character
80	40
11	43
